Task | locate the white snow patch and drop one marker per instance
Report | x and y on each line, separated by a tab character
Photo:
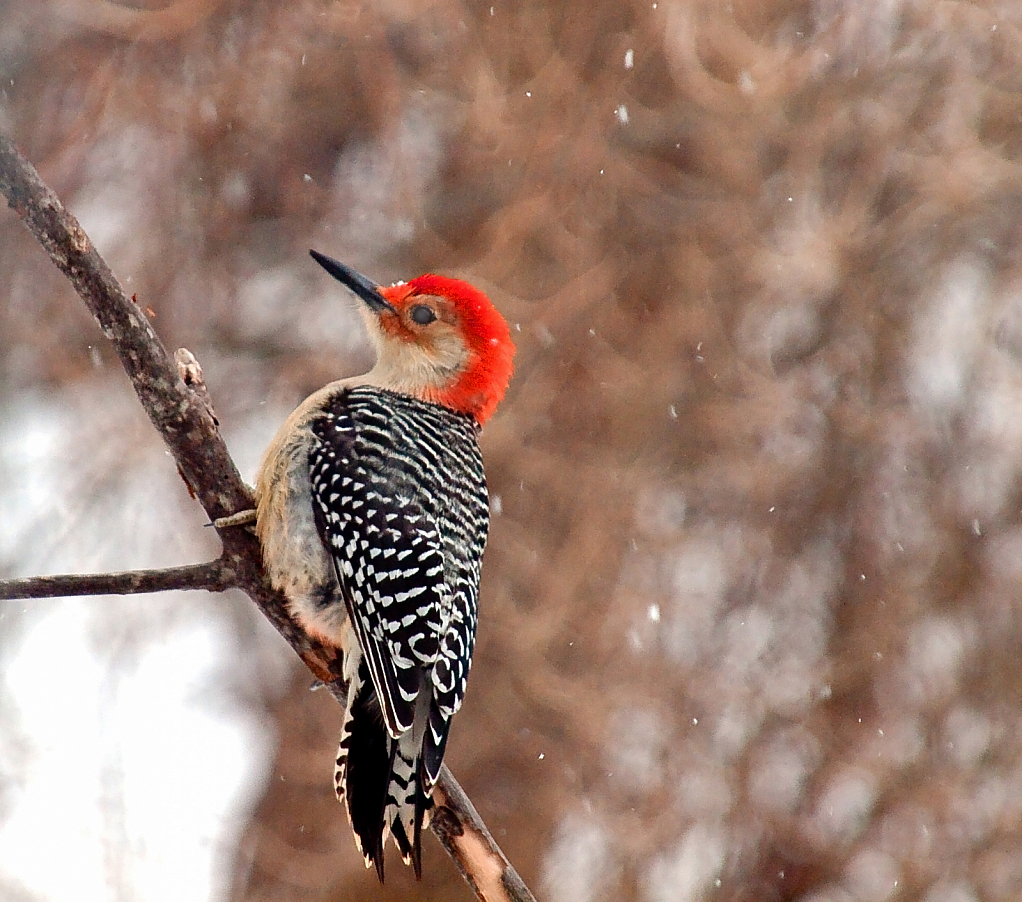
872	875
637	756
580	863
843	808
967	735
947	337
934	658
688	872
951	892
705	793
700	574
133	759
781	768
140	781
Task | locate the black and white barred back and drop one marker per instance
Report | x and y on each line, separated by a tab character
400	501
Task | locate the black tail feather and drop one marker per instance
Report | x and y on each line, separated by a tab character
370	761
381	779
422	804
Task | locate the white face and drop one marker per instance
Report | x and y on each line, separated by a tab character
413	355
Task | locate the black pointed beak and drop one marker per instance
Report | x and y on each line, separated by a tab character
366	289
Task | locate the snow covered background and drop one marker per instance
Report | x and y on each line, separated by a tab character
129	743
750	616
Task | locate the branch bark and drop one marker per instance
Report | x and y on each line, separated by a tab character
173	396
213	576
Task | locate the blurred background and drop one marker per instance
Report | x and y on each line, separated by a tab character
750	624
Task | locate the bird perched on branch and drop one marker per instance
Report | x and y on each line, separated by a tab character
372	513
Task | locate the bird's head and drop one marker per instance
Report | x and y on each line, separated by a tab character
438	339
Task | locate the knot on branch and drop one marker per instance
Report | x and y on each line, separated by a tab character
190	371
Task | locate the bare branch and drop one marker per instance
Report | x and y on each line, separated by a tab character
461	831
179	415
184	419
213	576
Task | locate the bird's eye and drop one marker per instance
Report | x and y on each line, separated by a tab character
422	315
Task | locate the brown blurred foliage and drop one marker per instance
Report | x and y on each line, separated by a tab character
750	625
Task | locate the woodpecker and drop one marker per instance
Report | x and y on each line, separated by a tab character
372	513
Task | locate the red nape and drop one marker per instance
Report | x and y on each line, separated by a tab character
480	388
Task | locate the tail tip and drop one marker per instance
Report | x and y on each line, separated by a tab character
372	859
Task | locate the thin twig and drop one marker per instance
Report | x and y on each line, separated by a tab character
184	418
212	576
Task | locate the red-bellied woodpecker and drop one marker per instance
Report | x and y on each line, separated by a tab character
372	513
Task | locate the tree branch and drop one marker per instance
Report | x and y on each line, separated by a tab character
175	400
461	831
213	576
178	414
